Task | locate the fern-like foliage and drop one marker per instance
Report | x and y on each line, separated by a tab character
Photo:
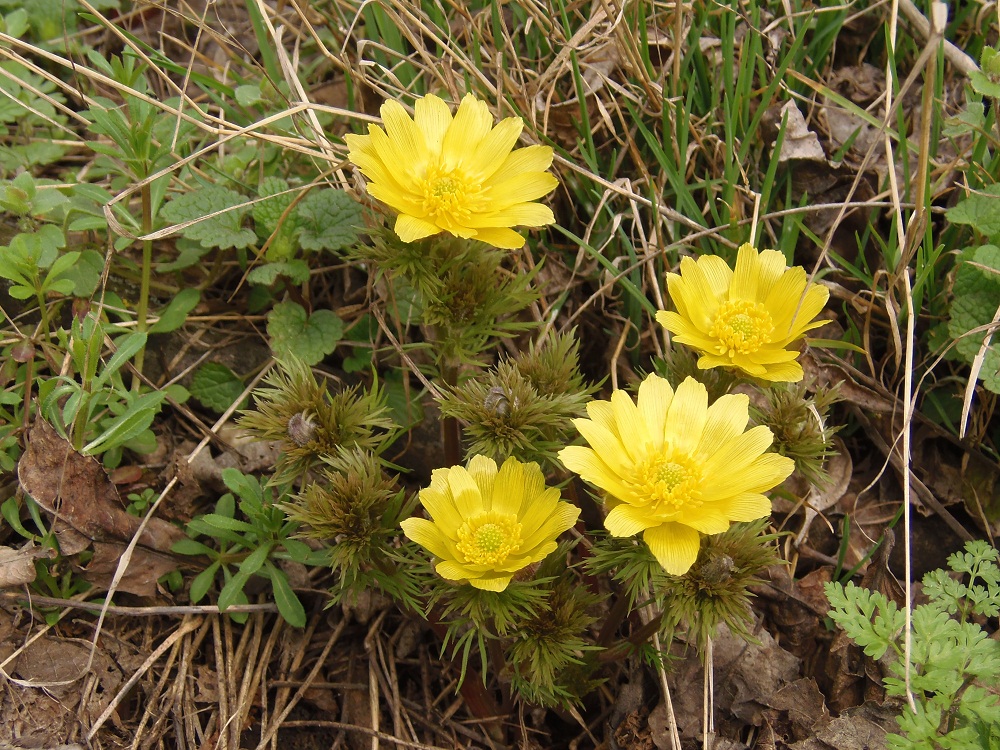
955	666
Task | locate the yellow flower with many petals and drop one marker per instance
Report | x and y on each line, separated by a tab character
457	175
486	525
745	319
673	467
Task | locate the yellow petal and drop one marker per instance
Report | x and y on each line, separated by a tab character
607	445
727	464
710	518
508	492
748	506
429	536
496	583
391	156
539	553
432	117
502	237
483	471
655	395
562	518
520	161
533	487
410	228
726	419
626	520
783	300
492	152
592	469
686	417
630	427
441	507
392	195
763	473
453	571
520	189
471	124
785	372
465	492
521	214
674	546
404	135
535	512
716	275
772	355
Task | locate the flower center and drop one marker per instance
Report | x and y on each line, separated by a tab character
671	482
489	538
742	327
448	194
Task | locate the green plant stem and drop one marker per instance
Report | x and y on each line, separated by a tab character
142	308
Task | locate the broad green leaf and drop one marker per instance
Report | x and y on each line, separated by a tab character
86	274
295	333
296	271
216	386
175	313
980	210
274	226
223	231
329	220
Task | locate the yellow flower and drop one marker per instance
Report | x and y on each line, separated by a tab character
673	467
487	525
745	319
454	175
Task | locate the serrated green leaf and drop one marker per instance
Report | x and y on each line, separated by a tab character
223	231
175	313
267	213
216	386
980	210
975	302
296	271
329	220
295	333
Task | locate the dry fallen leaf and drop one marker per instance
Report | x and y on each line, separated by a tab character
88	510
17	566
76	489
800	143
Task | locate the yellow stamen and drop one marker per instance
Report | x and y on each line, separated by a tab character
672	483
489	538
742	327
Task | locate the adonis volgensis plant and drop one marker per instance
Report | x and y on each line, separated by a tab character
544	491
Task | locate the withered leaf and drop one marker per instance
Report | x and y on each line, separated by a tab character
17	566
76	489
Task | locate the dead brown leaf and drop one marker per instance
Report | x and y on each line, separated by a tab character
76	489
17	566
